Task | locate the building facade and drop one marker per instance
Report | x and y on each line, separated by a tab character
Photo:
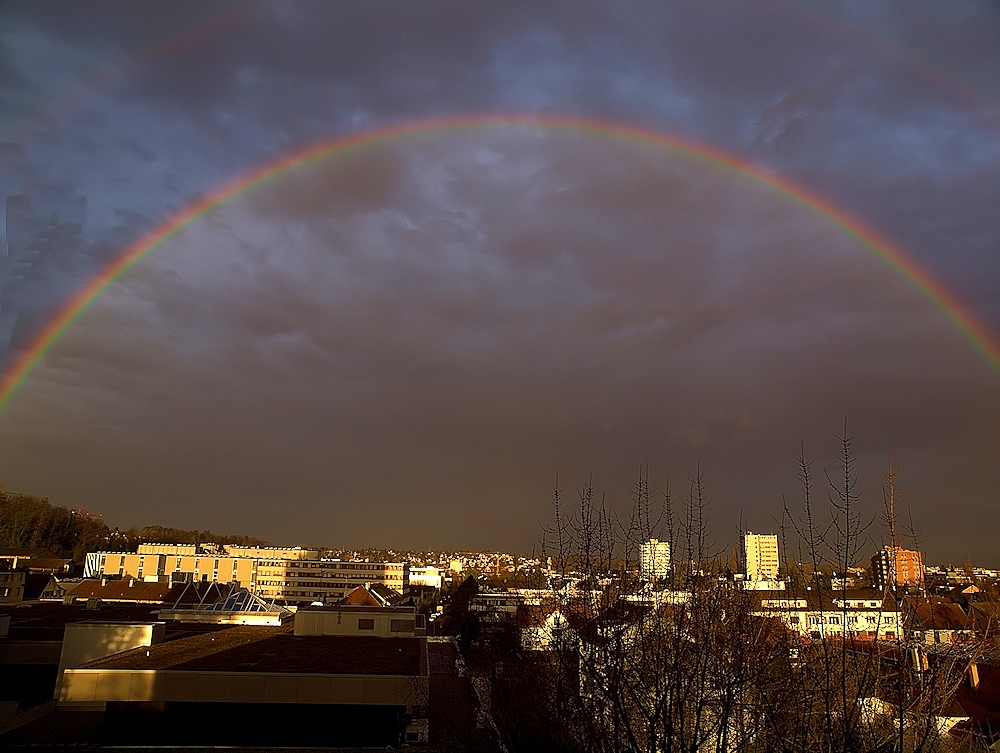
288	575
654	562
862	613
894	567
761	555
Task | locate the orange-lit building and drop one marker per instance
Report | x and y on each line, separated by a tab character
895	566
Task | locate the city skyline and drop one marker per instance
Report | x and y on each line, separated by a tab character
382	273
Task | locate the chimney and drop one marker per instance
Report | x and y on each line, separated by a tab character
131	582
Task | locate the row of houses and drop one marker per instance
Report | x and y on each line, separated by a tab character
934	646
863	614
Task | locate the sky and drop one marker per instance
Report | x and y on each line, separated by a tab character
410	343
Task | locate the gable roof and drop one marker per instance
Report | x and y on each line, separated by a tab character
935	613
359	597
35	584
27	552
388	596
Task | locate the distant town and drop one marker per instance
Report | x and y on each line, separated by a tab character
452	650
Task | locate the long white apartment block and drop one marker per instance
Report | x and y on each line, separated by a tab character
280	574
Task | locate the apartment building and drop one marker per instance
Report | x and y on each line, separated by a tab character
273	573
860	613
761	553
324	580
894	566
654	563
12	586
180	564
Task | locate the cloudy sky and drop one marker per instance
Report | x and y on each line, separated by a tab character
403	345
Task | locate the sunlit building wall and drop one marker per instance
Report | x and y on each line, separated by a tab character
894	566
761	553
654	562
291	579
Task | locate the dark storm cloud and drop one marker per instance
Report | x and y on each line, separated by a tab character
479	369
441	325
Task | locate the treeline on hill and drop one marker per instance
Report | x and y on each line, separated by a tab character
34	522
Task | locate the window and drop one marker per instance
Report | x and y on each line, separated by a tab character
401	626
366	623
4	591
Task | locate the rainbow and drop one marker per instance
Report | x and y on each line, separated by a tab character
938	294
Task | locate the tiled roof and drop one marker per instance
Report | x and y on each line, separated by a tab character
982	703
388	595
937	614
130	590
273	649
27	552
360	597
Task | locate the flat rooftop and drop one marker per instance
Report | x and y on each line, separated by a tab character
46	621
251	648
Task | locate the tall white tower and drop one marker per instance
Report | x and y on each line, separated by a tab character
761	551
654	560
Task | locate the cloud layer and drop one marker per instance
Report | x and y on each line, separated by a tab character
405	345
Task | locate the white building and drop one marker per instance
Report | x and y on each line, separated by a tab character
761	553
654	561
283	574
861	613
425	576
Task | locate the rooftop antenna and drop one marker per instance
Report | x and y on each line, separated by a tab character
889	497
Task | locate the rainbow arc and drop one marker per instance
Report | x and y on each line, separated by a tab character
960	316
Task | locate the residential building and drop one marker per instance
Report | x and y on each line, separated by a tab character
424	576
654	562
895	567
34	560
933	619
760	551
12	586
321	580
862	613
496	606
361	613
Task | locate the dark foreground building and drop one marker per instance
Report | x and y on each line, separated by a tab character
353	676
